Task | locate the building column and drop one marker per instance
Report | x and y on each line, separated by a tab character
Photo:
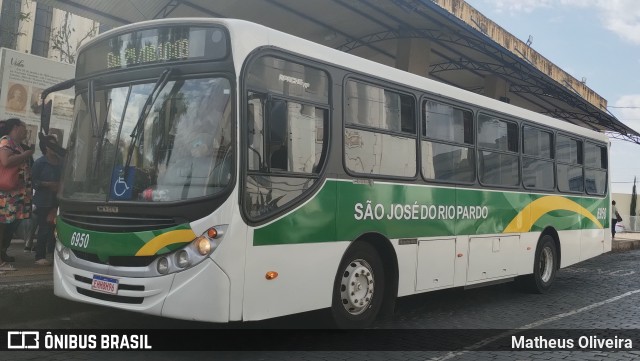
412	55
496	88
23	43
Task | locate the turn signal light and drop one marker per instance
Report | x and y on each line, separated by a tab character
271	275
212	233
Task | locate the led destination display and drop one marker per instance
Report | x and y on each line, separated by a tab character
148	46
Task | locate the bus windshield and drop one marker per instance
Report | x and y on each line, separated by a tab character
181	148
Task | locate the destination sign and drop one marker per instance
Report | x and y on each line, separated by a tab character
169	50
149	46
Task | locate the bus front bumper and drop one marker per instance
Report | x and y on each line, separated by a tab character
199	293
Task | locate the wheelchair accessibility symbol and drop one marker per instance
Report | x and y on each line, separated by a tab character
120	187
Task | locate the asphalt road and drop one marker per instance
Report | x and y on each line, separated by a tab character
599	294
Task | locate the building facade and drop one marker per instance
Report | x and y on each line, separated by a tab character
30	27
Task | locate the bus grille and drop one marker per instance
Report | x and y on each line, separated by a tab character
120	286
117	224
122	261
107	297
110	298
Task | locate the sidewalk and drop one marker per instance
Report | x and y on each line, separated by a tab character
27	271
626	241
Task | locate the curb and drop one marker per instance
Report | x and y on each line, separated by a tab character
625	245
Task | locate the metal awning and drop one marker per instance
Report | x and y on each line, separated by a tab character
466	47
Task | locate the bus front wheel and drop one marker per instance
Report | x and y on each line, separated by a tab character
358	289
545	267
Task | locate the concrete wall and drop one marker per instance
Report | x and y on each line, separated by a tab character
623	203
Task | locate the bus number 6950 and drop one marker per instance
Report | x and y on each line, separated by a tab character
80	239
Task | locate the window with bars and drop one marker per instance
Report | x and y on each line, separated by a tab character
42	30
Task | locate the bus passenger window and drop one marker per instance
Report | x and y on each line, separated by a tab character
570	175
499	161
595	162
447	152
377	120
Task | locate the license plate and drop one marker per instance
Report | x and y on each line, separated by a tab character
104	284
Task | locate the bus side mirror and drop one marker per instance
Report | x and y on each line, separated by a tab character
45	116
45	113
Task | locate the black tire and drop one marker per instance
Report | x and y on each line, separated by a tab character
545	267
359	287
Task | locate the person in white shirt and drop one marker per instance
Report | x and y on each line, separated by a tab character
615	218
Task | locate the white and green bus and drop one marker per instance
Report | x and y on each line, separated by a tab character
218	170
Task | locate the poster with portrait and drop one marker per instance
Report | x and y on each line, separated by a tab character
16	99
35	101
23	78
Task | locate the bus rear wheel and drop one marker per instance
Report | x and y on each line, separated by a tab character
545	267
358	289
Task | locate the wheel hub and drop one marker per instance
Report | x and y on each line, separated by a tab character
546	264
356	288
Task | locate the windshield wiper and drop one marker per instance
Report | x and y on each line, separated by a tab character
91	98
103	131
137	129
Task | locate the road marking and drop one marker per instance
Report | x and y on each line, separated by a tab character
599	271
489	340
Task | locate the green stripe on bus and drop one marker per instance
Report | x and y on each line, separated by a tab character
342	211
106	244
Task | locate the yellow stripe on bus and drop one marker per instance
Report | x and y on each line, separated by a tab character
165	239
542	206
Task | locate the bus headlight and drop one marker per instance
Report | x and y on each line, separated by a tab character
192	254
163	265
182	258
203	245
66	253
